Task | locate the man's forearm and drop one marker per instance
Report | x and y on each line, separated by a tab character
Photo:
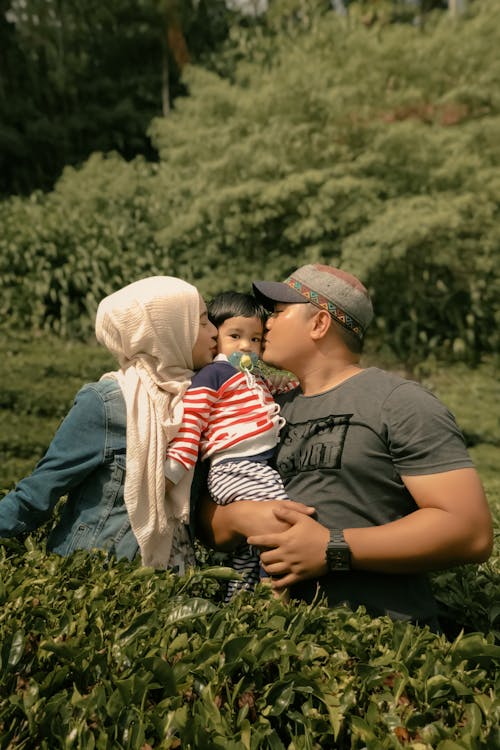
218	526
451	526
224	527
428	539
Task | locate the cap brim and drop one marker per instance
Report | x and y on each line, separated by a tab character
268	293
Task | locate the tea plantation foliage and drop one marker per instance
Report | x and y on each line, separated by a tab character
322	138
106	655
96	653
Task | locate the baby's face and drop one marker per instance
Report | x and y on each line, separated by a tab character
240	334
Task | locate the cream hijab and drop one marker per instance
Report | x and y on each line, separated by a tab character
151	327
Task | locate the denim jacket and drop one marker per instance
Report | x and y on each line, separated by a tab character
86	461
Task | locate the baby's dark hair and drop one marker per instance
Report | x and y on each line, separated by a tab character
232	305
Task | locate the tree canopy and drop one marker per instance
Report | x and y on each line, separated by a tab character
81	77
373	147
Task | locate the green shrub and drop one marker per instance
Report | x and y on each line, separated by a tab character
98	653
62	252
39	378
470	393
373	147
161	663
383	160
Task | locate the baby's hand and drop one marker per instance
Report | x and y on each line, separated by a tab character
280	382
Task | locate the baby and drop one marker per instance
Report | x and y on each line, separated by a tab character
230	417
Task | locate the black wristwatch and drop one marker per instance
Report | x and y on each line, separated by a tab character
338	553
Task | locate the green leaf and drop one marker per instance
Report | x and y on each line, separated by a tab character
283	700
233	648
163	674
450	745
476	649
361	729
140	626
65	651
474	719
189	610
16	649
218	572
115	704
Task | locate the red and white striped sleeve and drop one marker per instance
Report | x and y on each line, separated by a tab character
199	400
280	382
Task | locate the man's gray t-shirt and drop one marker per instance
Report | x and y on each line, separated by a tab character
344	451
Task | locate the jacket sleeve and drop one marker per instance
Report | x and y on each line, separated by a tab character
76	450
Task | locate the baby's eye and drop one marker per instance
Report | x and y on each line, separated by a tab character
257	339
234	335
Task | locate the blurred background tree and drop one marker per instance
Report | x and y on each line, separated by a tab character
78	77
305	135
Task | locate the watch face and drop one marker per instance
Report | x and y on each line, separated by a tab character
338	556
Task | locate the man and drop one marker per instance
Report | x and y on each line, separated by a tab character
379	458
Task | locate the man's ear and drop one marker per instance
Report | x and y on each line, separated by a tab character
321	323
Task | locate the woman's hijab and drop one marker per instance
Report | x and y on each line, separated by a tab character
151	326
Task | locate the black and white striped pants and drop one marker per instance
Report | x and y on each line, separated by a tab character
231	481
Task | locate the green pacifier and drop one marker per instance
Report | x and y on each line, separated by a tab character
243	360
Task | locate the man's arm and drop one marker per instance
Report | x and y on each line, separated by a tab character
224	527
451	526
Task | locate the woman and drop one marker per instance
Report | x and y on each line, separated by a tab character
108	454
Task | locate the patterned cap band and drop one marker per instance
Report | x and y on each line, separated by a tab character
321	301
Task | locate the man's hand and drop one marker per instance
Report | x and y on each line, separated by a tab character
295	554
224	527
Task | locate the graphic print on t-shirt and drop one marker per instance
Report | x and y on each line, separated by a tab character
313	445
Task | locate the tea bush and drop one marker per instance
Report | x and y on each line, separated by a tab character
161	663
39	378
99	653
